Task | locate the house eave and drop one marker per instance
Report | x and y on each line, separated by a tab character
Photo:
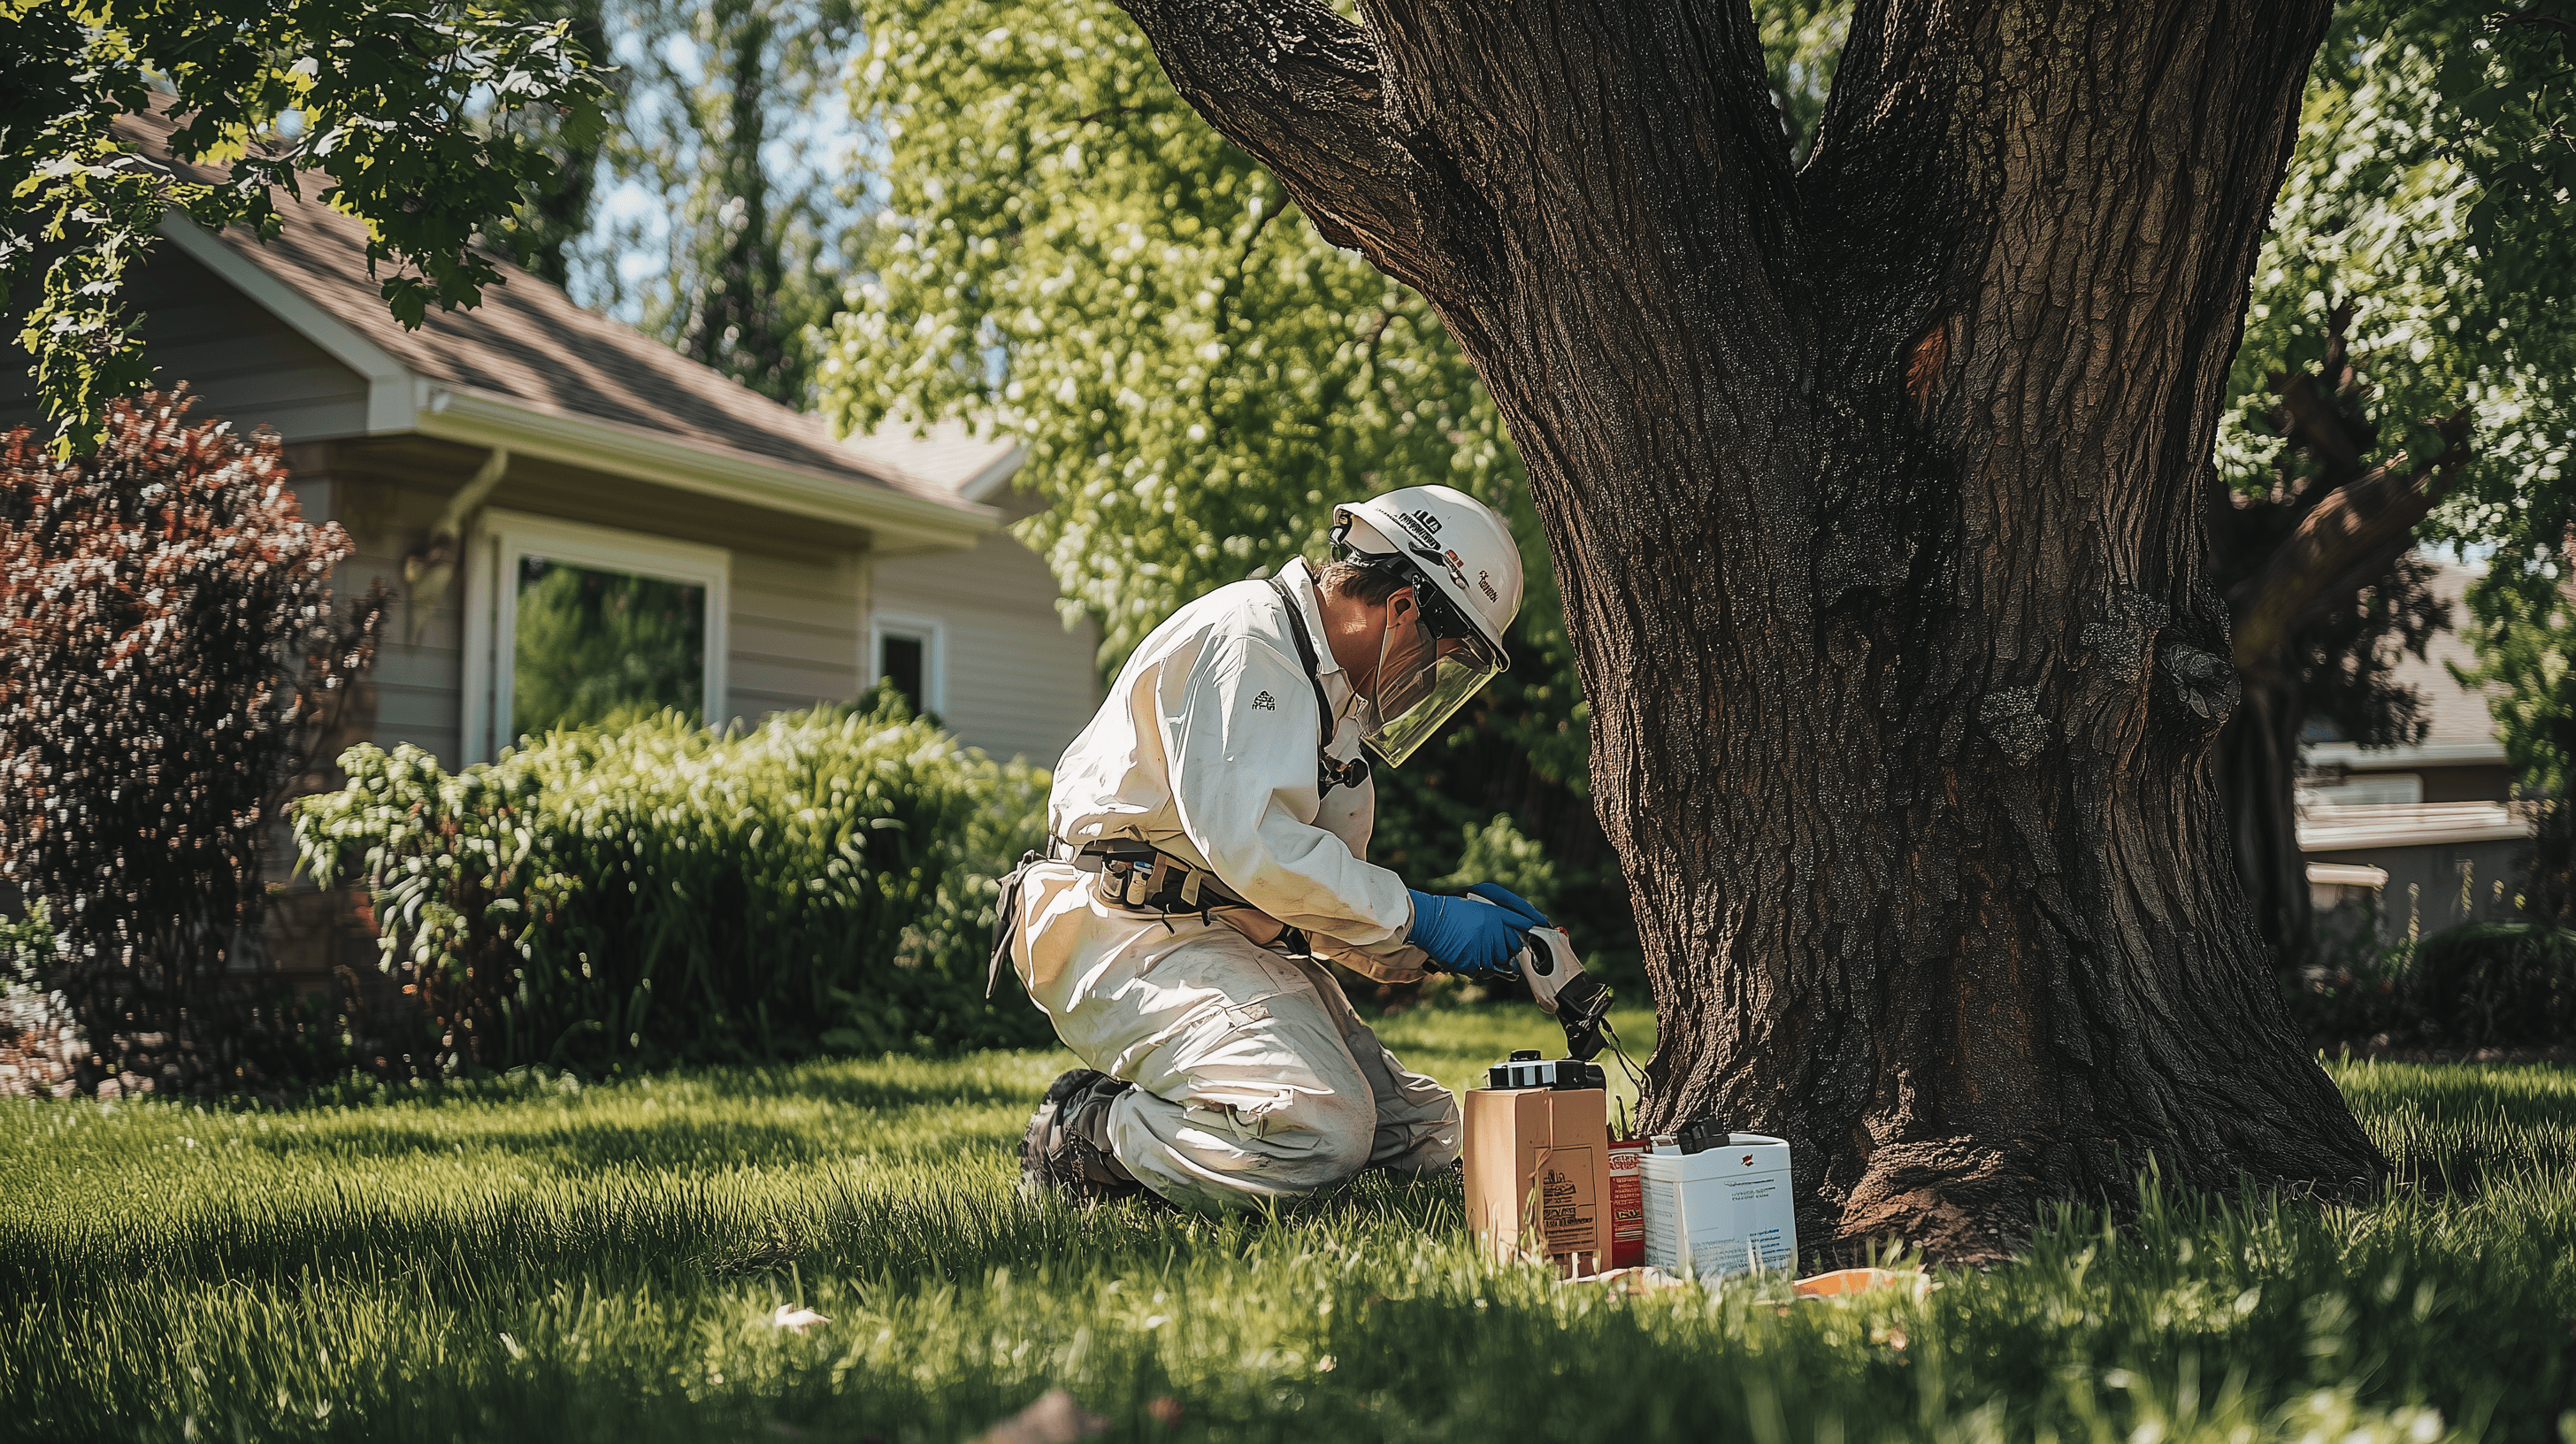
2362	839
2353	757
2366	826
392	398
994	477
481	418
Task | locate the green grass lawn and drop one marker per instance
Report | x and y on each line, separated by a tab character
560	1263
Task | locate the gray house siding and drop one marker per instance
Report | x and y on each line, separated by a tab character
2429	888
387	512
1018	684
242	363
794	634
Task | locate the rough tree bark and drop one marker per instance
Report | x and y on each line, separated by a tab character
2295	566
1877	493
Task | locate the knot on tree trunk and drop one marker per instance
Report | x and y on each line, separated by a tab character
2203	681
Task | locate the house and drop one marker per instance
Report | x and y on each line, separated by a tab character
976	639
574	518
2424	837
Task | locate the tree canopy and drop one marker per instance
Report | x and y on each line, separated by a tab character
1073	253
1068	252
722	129
392	103
2453	297
2428	201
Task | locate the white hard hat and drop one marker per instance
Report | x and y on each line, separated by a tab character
1454	541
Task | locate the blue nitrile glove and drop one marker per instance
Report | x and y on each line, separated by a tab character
1503	897
1465	936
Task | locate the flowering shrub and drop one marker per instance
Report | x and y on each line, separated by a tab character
168	658
661	892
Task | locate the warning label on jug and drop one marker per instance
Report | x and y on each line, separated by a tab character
1770	1248
1568	1208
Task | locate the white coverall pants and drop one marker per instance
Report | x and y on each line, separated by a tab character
1254	1078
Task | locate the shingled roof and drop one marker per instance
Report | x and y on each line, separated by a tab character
533	347
967	461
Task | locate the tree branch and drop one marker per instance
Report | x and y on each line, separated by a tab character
2320	416
2349	541
1106	112
1298	86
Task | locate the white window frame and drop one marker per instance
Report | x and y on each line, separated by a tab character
931	632
502	539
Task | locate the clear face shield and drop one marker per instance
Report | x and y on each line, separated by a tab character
1421	681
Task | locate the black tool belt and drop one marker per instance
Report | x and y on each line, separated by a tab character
1140	877
1135	876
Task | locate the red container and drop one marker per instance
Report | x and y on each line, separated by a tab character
1627	1202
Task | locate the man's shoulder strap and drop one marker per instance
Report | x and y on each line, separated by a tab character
1306	656
1331	773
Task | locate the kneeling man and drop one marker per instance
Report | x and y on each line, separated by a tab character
1209	835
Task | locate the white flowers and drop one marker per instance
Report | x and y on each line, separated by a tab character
795	1316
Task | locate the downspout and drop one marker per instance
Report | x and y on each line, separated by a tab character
431	566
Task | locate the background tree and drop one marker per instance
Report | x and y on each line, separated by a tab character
2402	377
559	208
710	209
736	168
390	103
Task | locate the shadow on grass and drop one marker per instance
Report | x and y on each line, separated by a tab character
572	1146
623	1230
847	1087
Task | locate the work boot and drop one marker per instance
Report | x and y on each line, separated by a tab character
1067	1147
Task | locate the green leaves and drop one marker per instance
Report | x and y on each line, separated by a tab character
385	101
724	127
1070	253
2509	85
661	892
2381	211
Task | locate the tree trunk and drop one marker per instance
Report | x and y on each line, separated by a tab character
2318	577
2258	774
1876	495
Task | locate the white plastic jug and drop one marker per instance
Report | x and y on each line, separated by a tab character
1732	1205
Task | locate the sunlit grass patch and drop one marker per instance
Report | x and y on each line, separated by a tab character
542	1260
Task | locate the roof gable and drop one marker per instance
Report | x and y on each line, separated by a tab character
531	348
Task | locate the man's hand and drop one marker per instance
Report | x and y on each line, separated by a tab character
1510	901
1467	936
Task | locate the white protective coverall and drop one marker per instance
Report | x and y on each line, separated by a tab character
1254	1078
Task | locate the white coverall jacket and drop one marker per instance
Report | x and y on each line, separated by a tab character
1254	1078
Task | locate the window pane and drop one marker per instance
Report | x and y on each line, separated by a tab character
899	661
595	645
